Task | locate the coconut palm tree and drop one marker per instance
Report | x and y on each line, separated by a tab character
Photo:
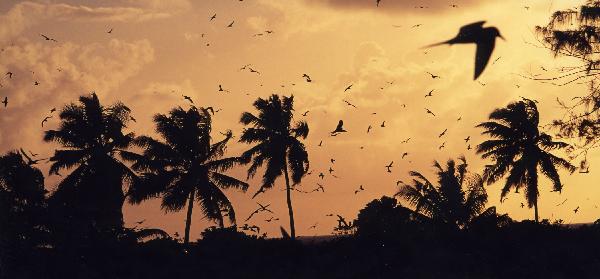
456	200
520	150
22	203
276	143
93	139
186	167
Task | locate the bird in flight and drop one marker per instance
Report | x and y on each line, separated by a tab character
443	133
305	113
405	141
349	104
320	143
404	154
109	31
484	38
388	167
442	146
383	124
188	98
360	189
339	128
212	17
48	38
433	76
321	175
348	88
429	112
430	94
52	110
467	139
307	77
5	102
231	24
9	74
369	129
221	89
45	120
576	210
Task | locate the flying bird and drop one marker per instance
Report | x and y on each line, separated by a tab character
5	102
484	38
388	167
48	38
9	74
230	24
369	129
404	154
383	124
188	98
433	76
348	88
442	146
430	94
339	128
430	112
212	17
360	189
307	77
349	104
467	139
109	31
443	133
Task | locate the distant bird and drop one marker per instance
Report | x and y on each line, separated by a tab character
399	182
109	31
442	146
443	133
430	112
360	189
406	140
36	83
404	154
339	128
332	160
331	170
383	124
307	77
321	175
320	188
388	167
254	71
212	17
313	226
369	129
320	143
348	88
522	205
469	147
132	119
52	110
305	113
430	94
221	89
5	102
211	110
33	154
459	118
45	120
261	208
467	139
433	76
349	104
140	222
484	38
48	38
417	25
563	202
9	74
231	24
576	210
188	98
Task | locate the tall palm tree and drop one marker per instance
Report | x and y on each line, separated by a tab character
92	137
456	200
186	167
277	142
520	150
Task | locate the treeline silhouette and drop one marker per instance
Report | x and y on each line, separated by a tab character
444	231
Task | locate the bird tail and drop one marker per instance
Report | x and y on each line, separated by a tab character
436	44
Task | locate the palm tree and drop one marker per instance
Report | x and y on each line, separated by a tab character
519	150
277	143
92	137
22	203
186	167
457	199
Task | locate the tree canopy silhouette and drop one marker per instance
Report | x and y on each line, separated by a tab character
458	198
520	150
94	144
186	167
277	143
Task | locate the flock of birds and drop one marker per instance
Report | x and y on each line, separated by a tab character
475	33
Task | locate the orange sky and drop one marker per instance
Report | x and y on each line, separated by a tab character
156	53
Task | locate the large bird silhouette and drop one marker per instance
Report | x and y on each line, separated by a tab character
484	38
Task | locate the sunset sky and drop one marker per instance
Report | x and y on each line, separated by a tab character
161	50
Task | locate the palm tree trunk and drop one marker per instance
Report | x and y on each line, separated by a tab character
188	220
289	201
535	208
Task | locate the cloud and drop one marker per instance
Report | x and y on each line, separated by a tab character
63	72
417	6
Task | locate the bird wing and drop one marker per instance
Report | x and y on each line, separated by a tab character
482	56
471	28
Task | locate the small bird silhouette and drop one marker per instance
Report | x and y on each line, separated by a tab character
320	143
48	38
52	110
467	139
442	146
404	154
430	94
339	128
349	104
212	17
443	133
429	112
484	38
388	167
5	102
321	175
9	74
45	120
369	129
383	124
231	24
433	76
360	189
188	98
576	210
307	77
109	31
305	113
348	88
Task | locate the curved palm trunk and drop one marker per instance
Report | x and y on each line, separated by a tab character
289	201
188	220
